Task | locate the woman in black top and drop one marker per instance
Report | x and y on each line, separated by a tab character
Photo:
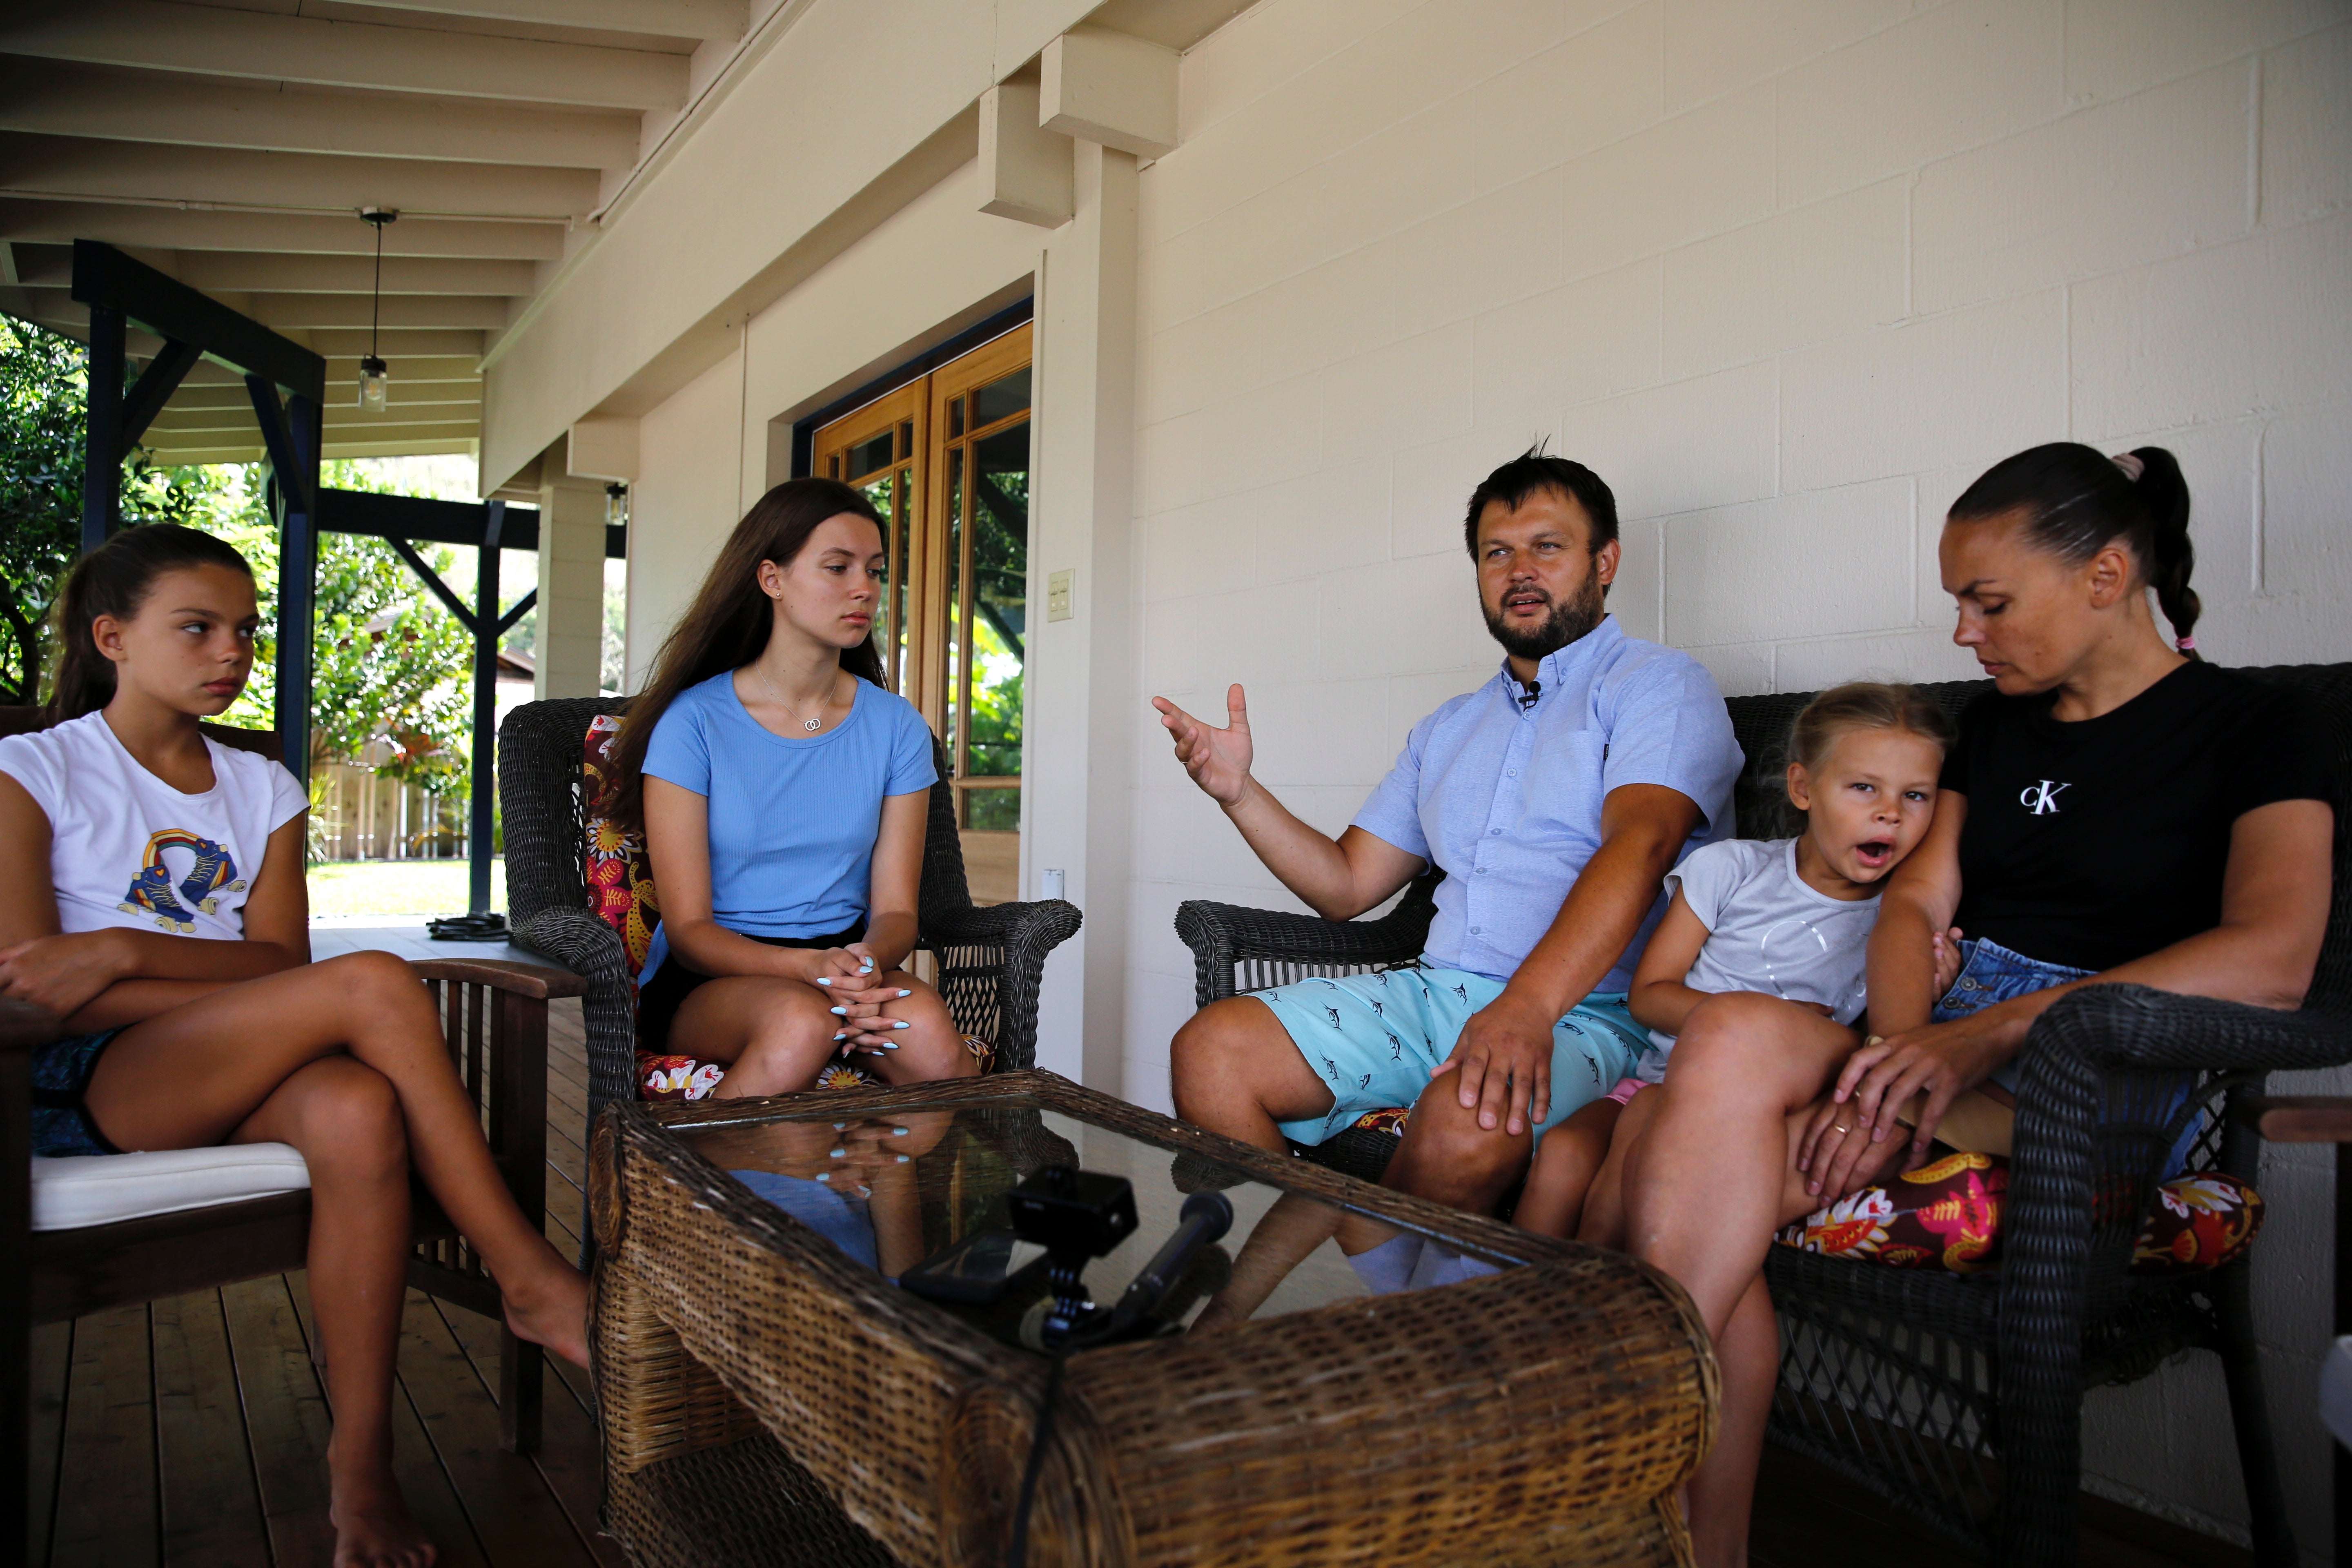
2116	810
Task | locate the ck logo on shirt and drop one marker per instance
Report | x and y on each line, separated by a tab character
2042	799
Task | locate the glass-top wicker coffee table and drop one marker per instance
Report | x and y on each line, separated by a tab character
770	1394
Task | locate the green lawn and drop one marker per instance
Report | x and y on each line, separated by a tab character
416	888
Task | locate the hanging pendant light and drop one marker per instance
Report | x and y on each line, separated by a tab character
375	376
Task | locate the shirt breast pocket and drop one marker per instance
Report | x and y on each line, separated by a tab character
1561	806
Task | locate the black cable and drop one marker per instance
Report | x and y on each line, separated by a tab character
1019	1555
375	306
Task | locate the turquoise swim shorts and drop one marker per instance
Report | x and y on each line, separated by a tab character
1375	1038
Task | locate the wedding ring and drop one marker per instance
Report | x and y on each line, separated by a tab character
1840	1126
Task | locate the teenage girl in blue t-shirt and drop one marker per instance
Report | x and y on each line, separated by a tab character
783	795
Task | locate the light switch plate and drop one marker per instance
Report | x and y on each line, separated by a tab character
1059	588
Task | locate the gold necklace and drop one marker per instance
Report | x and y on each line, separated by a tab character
810	725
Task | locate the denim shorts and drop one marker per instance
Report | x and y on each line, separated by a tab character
1991	974
61	1122
1373	1039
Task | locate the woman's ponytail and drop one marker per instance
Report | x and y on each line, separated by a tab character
2077	501
113	579
2171	557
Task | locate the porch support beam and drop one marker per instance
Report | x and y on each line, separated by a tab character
1025	169
1111	87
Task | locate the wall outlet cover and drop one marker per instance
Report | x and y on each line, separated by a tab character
1060	589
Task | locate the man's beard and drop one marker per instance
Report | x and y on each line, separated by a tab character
1566	624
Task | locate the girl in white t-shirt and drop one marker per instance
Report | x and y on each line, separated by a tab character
161	913
1785	922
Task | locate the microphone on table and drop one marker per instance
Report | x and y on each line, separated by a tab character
1205	1218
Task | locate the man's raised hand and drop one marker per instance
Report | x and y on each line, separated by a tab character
1218	759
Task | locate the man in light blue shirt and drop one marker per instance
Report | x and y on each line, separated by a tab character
1555	798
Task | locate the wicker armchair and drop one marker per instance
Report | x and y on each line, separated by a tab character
991	960
1960	1397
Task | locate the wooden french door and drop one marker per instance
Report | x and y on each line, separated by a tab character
945	459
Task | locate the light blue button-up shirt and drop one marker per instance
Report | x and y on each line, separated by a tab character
1506	800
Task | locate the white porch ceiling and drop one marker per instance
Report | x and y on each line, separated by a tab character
230	143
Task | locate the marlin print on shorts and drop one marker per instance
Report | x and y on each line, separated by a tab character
1463	992
1330	1070
1332	1014
1396	1050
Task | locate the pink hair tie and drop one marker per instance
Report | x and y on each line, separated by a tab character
2131	465
2186	645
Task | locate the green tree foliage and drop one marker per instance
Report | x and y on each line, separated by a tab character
393	668
43	397
392	672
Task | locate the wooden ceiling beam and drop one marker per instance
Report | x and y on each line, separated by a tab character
118	106
79	168
174	229
706	20
402	313
257	46
226	272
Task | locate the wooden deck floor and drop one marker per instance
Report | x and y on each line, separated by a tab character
192	1433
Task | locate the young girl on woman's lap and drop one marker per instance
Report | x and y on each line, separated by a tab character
1767	924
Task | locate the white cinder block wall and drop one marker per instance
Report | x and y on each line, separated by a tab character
1788	275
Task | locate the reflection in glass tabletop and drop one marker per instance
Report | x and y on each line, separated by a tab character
927	1199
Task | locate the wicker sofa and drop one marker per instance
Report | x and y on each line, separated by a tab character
990	958
1959	1397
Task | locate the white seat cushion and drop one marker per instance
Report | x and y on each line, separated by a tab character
100	1189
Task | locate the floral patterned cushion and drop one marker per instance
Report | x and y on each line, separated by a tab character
1947	1215
620	878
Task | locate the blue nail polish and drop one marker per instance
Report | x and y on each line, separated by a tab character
902	1159
898	1132
902	1023
890	1044
906	994
838	1153
825	1175
824	980
840	1012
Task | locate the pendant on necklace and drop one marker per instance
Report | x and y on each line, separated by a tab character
812	725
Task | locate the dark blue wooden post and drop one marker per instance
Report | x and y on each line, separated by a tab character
487	630
101	481
292	434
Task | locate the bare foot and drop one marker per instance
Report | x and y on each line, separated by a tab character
373	1530
554	1313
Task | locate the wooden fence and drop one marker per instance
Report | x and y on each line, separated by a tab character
361	816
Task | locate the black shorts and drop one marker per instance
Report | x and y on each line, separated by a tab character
659	998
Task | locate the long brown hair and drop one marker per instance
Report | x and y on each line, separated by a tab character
731	620
114	580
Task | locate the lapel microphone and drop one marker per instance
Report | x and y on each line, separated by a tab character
1529	693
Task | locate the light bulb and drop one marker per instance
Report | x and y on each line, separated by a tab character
617	505
375	384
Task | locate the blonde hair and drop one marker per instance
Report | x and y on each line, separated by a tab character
1865	705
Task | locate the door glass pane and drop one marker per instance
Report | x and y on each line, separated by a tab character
869	455
1000	592
901	635
957	506
1000	399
